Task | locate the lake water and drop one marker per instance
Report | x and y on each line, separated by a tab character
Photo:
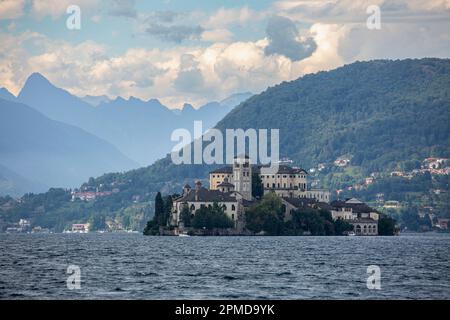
132	266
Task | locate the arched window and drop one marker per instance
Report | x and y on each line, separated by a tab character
192	207
224	207
233	207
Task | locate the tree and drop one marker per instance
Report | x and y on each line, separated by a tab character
185	216
159	207
152	227
211	218
167	211
308	219
97	222
386	226
341	226
257	186
267	216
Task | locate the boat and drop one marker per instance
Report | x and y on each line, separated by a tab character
350	234
183	235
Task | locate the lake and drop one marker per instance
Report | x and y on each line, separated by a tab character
132	266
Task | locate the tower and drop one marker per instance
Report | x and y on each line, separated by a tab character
242	176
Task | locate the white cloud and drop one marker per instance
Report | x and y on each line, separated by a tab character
217	35
222	65
11	9
224	18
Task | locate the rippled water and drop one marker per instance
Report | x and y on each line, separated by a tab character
131	266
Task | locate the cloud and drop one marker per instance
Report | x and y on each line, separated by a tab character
123	8
189	78
304	37
224	18
165	16
11	9
174	33
283	39
217	35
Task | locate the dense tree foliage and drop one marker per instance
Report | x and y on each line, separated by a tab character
257	186
210	218
161	217
386	226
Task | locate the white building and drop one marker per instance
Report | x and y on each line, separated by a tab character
363	218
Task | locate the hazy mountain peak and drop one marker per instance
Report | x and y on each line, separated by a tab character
5	94
37	79
95	101
236	99
153	100
188	107
134	99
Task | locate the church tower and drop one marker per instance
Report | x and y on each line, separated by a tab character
242	176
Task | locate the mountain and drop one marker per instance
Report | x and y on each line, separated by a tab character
15	185
55	103
235	99
382	114
95	100
139	129
6	95
52	153
379	113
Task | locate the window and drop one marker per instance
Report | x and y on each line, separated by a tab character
224	207
233	207
232	216
192	207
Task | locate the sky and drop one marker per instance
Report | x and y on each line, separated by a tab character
185	51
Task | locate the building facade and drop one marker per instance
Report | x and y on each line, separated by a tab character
286	182
363	218
195	198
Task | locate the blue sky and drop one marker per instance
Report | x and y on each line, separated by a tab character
198	51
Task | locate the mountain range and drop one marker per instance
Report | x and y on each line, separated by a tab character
138	131
381	114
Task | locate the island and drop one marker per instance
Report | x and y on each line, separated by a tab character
243	199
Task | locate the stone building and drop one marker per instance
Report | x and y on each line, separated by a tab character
195	198
363	218
231	188
287	182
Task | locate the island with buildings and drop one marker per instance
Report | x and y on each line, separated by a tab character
282	204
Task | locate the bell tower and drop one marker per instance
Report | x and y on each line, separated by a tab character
242	176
